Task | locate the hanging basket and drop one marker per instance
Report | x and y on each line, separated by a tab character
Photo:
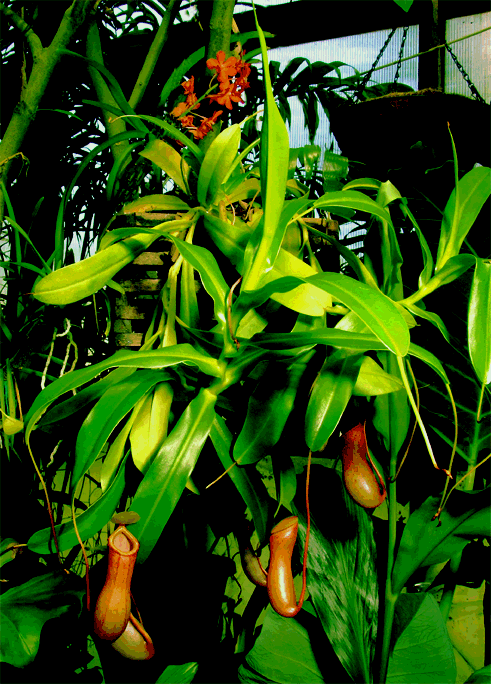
410	130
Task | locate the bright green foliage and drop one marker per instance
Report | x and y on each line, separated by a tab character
479	321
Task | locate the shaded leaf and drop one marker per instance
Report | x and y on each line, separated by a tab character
282	653
425	542
165	480
252	491
330	394
26	608
423	652
89	522
341	573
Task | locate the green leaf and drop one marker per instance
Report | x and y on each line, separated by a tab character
106	415
425	542
404	4
274	163
84	397
213	281
430	360
285	480
27	607
154	203
423	652
178	674
461	211
216	163
429	316
372	380
165	480
268	409
168	159
175	133
479	321
341	572
351	199
482	676
76	281
453	268
156	358
376	310
89	522
330	395
250	488
283	652
428	265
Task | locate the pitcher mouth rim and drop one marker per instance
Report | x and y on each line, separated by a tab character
135	544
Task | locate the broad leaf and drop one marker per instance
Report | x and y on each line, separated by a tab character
26	608
423	652
425	542
282	653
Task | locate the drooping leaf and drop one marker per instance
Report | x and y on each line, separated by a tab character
267	412
155	358
104	417
89	522
376	310
373	380
252	491
165	480
425	542
76	281
330	394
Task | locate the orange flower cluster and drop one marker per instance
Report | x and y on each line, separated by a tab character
230	91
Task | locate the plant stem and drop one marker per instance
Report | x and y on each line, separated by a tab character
154	52
390	597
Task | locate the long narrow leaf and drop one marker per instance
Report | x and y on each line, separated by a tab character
479	321
106	415
165	480
274	162
252	491
341	573
89	522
